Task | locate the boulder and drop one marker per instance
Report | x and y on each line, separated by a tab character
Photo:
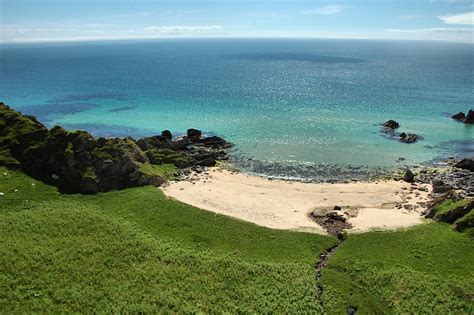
391	124
194	134
166	135
439	187
408	177
467	164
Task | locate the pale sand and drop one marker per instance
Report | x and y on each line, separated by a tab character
285	205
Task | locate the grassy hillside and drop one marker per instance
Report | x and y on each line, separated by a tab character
137	251
424	269
134	250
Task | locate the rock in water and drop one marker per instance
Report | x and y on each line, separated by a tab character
469	118
459	116
467	164
409	137
392	124
409	177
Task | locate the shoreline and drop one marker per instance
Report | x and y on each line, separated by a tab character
289	205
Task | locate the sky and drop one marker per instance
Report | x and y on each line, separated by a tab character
76	20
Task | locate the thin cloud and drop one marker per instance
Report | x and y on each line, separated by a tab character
326	10
433	30
466	18
183	29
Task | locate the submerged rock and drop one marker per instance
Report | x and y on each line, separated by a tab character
409	137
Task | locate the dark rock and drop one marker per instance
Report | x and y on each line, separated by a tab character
409	137
469	117
207	161
337	208
409	177
391	124
467	164
439	187
332	221
336	216
166	135
459	116
194	134
215	141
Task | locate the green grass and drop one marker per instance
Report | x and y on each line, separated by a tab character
163	170
424	269
137	251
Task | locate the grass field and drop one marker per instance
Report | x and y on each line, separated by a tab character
137	251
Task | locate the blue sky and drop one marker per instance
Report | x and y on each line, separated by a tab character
69	20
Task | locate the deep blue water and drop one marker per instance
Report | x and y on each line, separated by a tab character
295	102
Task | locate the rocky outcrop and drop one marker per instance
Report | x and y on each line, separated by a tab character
470	117
467	164
389	128
450	211
76	162
467	119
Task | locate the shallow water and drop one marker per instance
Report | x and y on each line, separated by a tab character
282	102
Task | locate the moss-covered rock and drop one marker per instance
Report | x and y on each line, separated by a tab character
72	160
466	222
451	210
75	161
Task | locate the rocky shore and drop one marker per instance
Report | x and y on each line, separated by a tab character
77	162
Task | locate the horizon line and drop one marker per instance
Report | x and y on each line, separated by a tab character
172	37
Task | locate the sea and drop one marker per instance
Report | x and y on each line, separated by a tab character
293	108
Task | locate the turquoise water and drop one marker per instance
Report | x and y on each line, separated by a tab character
293	102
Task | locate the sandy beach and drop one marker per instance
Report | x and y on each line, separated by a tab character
282	204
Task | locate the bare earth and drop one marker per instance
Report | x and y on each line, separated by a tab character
286	205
